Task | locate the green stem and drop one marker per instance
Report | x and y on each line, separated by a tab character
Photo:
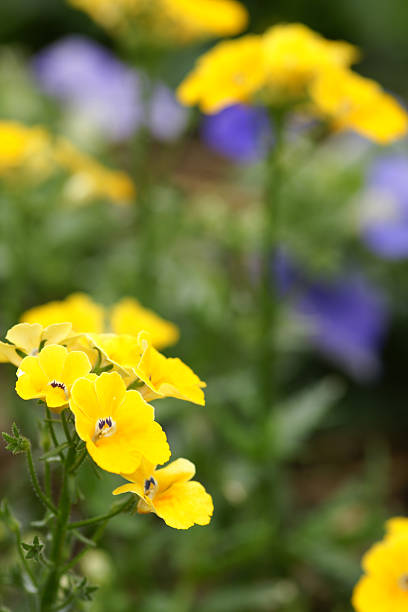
50	591
66	427
53	434
95	538
79	461
34	479
116	509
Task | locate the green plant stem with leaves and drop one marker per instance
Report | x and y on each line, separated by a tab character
45	563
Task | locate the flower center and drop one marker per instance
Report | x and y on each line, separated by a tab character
104	428
55	384
403	582
150	487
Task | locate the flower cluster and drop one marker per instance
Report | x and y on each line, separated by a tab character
35	152
384	585
175	21
292	65
107	380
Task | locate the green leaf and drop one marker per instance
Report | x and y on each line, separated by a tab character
15	442
55	451
301	415
33	551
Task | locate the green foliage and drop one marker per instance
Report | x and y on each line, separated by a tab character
16	443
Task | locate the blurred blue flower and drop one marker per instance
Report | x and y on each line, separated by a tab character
345	318
96	85
385	220
241	133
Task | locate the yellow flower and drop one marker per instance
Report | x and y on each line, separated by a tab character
294	54
90	179
397	526
135	359
384	587
77	309
51	374
28	337
353	102
118	426
170	493
129	317
23	147
176	21
233	71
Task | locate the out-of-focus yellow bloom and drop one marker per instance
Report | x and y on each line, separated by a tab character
233	71
24	147
136	360
51	374
77	309
129	317
384	587
396	526
91	180
178	21
294	55
170	493
27	338
353	102
118	426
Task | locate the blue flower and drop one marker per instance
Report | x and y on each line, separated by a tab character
94	84
385	218
345	318
241	133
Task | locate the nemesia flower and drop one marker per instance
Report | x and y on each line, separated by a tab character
384	210
352	102
238	132
51	374
294	55
230	73
129	317
176	21
117	426
77	309
136	360
170	493
29	337
396	526
384	585
107	93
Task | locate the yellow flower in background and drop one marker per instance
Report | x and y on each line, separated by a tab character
29	337
90	179
384	586
129	317
51	374
233	71
170	493
294	54
167	377
24	147
117	426
353	102
175	21
77	309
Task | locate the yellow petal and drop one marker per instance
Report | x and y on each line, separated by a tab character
180	470
9	354
85	406
56	397
130	487
55	334
25	336
110	391
184	504
76	366
33	382
112	455
52	359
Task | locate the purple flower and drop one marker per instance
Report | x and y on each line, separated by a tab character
93	83
242	133
385	222
345	318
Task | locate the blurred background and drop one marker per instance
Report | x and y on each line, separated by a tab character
288	532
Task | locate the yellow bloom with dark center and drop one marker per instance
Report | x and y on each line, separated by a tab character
135	359
353	102
294	55
27	338
129	317
117	426
170	493
77	309
230	73
51	374
384	586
